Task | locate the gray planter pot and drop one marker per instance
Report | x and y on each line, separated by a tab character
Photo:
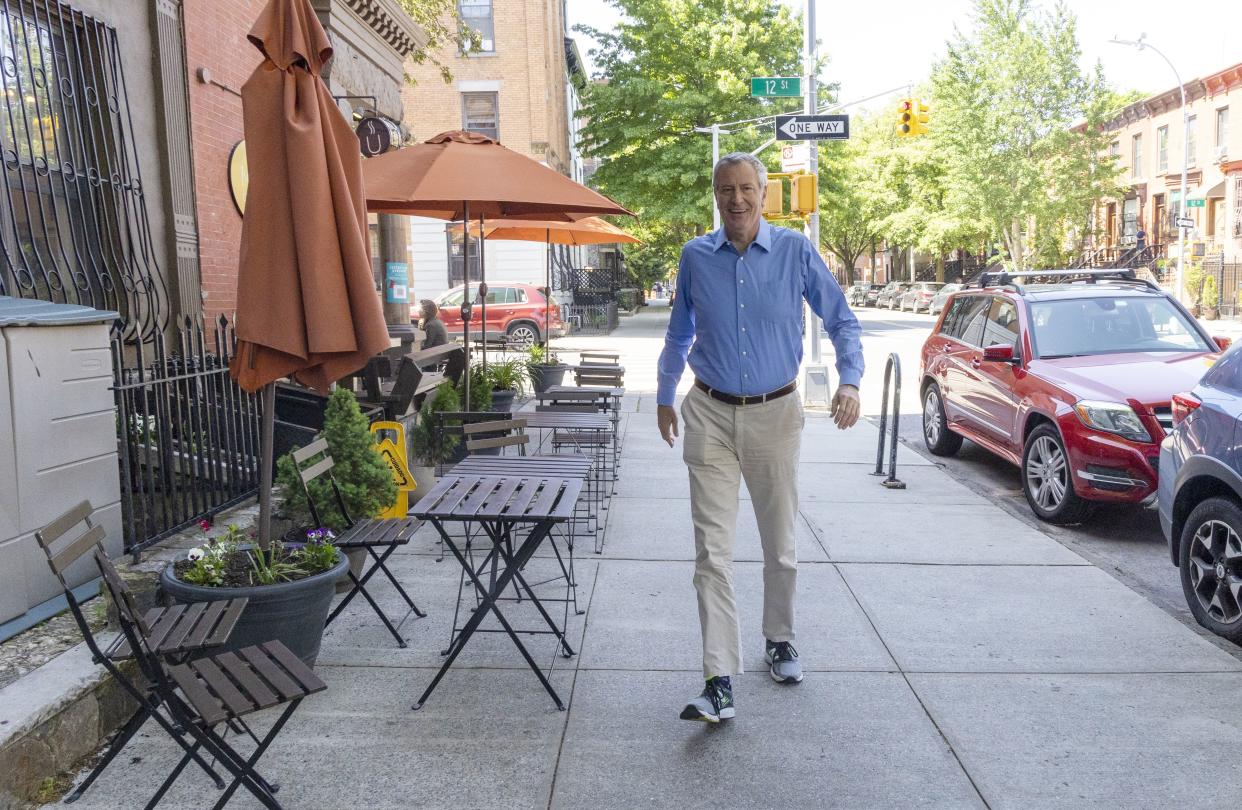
544	377
502	400
290	612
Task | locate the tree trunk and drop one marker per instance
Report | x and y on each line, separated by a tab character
872	277
940	267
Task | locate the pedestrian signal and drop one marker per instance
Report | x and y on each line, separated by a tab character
804	194
774	199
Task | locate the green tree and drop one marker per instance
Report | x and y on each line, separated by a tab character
1018	126
851	205
444	27
361	473
670	66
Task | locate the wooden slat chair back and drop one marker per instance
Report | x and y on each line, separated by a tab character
207	692
367	534
64	544
599	358
512	433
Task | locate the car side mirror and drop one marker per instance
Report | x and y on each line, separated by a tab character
1001	353
1222	343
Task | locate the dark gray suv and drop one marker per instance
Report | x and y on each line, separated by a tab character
1200	495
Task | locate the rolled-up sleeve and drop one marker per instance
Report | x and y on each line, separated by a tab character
828	302
677	340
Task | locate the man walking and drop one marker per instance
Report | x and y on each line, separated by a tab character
737	315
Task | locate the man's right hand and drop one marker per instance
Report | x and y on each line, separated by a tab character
666	415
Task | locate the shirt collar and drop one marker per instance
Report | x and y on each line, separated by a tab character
763	239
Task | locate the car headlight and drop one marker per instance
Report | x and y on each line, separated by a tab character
1112	417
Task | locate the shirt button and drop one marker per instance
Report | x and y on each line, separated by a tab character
745	375
743	306
743	328
743	354
741	281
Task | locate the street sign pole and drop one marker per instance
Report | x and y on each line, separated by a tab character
817	386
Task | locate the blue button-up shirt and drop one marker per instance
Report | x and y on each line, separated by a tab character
739	317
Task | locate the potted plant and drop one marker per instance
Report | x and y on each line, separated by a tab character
430	446
289	586
1192	281
544	368
1211	298
506	378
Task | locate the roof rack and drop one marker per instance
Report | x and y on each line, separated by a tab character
1004	278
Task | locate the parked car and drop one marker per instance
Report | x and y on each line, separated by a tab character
891	294
942	296
1073	382
1200	497
872	295
858	294
515	313
919	295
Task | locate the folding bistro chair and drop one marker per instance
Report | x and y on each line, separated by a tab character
369	534
207	693
180	629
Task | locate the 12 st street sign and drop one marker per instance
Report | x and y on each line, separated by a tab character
1196	202
767	86
812	127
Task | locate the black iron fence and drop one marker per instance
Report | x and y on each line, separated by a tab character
590	319
1228	278
188	436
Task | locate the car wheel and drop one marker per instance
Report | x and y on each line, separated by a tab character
1211	566
940	440
523	335
1046	479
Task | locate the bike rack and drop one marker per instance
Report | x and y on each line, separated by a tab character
891	370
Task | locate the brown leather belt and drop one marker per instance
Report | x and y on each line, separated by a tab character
751	400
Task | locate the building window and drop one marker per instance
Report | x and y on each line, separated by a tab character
1191	140
1114	151
1162	149
480	112
477	15
73	219
457	258
1222	127
1136	156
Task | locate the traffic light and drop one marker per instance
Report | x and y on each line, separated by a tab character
905	118
804	194
774	199
920	117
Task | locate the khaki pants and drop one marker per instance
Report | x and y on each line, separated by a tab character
721	445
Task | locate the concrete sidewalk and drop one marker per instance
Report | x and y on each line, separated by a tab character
955	657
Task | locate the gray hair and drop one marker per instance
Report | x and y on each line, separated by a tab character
734	158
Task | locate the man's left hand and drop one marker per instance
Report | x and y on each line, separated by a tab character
846	406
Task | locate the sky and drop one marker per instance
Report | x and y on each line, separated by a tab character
873	46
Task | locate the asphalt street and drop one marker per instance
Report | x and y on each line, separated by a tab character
1126	542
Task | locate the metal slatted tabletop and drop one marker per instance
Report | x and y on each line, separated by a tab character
505	507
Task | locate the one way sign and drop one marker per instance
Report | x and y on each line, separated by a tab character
812	127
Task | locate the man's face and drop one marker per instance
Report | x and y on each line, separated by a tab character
739	198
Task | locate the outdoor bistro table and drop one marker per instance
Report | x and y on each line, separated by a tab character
503	507
583	431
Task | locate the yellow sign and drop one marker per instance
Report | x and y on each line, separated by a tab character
239	175
390	442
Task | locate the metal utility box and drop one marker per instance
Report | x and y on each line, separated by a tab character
58	440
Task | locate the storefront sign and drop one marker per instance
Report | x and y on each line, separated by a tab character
239	175
397	284
377	135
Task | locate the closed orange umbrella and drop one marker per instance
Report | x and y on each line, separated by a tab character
306	300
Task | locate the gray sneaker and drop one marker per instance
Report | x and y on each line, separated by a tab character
783	658
714	705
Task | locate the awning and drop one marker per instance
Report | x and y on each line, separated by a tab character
1217	190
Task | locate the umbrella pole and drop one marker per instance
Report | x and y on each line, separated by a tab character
547	305
483	291
465	335
266	451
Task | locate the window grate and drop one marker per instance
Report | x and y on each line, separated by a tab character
73	218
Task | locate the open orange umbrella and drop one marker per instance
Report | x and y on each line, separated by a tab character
589	231
306	300
458	175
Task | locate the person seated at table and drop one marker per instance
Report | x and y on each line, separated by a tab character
435	332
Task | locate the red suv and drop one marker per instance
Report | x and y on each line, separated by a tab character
1070	379
515	313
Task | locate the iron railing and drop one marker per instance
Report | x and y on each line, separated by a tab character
188	436
1228	277
590	319
73	218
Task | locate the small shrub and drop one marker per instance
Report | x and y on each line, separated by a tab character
431	447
